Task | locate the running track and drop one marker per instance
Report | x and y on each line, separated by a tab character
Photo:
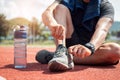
37	71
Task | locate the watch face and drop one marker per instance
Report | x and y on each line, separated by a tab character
91	47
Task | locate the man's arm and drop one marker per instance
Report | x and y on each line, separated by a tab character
104	23
98	38
101	31
47	16
57	30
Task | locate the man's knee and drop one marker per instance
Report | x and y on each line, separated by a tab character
114	51
65	19
60	8
115	48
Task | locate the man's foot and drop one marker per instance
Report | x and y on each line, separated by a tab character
61	61
44	56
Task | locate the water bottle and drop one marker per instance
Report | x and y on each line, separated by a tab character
20	47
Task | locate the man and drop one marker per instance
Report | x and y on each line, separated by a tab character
79	28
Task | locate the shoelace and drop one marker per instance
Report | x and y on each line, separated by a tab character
59	51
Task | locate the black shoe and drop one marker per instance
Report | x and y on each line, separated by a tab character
61	60
44	56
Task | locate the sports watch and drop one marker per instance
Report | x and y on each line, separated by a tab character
91	47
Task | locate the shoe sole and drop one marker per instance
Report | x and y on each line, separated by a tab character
57	67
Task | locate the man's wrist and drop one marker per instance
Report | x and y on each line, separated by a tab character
91	47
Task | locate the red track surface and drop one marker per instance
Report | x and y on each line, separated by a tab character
37	71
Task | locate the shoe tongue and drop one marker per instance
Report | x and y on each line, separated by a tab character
60	46
60	50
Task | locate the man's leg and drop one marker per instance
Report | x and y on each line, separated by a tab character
64	20
108	53
63	17
62	60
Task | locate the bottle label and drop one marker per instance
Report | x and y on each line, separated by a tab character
20	34
24	35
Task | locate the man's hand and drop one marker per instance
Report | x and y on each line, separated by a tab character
58	31
79	51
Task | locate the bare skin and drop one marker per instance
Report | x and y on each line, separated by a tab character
62	28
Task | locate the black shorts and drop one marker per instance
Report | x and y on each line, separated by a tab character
79	38
73	40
